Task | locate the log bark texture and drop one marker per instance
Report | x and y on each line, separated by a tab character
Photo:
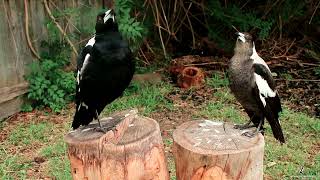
131	151
208	150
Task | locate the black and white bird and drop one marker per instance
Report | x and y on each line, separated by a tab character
104	70
253	86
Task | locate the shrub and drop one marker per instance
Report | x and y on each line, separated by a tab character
49	85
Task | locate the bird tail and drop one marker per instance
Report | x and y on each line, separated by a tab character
277	130
83	116
273	108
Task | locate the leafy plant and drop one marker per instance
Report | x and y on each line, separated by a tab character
129	26
49	85
217	81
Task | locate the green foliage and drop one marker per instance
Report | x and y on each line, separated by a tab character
317	71
129	26
222	18
26	107
25	135
49	85
150	98
217	81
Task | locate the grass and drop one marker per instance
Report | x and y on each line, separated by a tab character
30	137
146	98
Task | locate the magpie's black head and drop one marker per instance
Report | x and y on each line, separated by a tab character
244	42
106	22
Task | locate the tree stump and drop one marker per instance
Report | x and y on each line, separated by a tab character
132	150
208	150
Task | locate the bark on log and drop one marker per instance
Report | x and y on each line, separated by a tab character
133	150
208	150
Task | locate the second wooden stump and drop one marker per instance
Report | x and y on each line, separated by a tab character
207	150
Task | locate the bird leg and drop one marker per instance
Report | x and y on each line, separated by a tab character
100	128
253	133
244	126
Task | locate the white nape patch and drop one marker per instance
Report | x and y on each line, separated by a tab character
264	88
241	37
107	16
257	59
91	41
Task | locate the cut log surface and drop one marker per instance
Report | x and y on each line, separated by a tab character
210	150
131	150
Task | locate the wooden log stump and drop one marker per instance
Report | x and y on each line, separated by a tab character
133	150
208	150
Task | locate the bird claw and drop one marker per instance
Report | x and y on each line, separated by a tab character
243	126
100	129
251	134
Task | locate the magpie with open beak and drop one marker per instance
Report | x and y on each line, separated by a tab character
252	84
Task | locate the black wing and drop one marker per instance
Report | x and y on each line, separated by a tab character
81	111
272	105
106	75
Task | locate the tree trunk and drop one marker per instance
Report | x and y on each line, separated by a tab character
132	150
208	150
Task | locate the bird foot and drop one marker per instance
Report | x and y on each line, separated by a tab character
243	126
100	129
251	134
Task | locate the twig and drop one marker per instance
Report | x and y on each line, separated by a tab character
160	34
146	62
244	4
68	19
183	18
148	46
209	63
59	27
26	26
314	12
191	28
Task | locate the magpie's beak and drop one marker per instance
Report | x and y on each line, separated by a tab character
237	33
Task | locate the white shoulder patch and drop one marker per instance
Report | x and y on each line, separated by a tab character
78	77
264	89
85	63
91	41
257	59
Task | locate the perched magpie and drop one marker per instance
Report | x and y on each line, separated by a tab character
104	70
253	86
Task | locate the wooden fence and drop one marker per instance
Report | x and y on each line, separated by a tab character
16	24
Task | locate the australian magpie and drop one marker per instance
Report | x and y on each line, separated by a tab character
253	86
104	70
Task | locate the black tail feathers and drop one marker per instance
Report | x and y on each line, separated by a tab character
83	116
277	130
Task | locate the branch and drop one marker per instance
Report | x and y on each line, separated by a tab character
59	27
26	15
